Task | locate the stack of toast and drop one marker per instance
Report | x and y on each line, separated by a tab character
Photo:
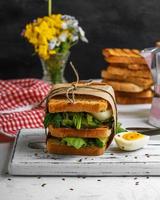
129	76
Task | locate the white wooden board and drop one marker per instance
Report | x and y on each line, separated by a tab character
28	161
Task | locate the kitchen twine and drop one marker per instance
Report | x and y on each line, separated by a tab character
71	90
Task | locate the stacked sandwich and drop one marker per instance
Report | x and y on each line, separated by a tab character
83	124
129	75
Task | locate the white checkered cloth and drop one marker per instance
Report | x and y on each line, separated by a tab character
18	100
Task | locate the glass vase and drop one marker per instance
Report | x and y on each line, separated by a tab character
53	68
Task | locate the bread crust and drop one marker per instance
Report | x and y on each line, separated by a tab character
143	94
127	56
82	104
144	82
130	66
124	86
128	100
57	148
128	72
85	133
126	60
134	53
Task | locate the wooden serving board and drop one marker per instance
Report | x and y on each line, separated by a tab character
27	159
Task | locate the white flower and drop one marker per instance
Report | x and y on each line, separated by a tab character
82	35
68	17
74	38
63	36
52	44
75	23
64	25
70	22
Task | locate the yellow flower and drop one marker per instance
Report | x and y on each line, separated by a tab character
52	52
42	40
42	31
42	51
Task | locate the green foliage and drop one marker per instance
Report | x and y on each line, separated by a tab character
75	142
119	128
100	142
74	120
52	119
83	142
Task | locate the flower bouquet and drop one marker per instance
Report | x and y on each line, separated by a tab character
52	37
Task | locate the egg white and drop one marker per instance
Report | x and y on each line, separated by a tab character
130	145
101	116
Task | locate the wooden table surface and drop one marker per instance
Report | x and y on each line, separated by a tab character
85	188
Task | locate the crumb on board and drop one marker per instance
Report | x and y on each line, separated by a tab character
43	184
137	183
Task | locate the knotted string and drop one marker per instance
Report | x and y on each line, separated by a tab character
73	87
68	89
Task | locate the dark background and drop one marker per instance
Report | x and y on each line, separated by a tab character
107	23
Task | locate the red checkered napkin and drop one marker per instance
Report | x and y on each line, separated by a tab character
18	100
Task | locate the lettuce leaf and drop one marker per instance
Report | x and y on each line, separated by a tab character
100	142
52	119
83	142
75	142
119	128
76	120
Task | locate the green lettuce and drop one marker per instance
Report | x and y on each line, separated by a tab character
83	142
100	142
75	120
52	119
75	142
119	128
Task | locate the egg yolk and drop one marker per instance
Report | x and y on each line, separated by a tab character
132	136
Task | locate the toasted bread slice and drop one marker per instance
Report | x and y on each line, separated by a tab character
124	86
134	53
130	66
54	146
143	94
128	72
85	133
128	100
82	104
123	56
144	82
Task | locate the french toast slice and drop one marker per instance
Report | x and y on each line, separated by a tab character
124	86
130	66
129	100
144	82
117	55
128	72
144	94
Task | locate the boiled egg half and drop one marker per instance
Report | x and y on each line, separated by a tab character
130	141
101	116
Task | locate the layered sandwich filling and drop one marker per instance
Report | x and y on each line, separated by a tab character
80	142
79	121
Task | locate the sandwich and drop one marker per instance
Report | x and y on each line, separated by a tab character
80	121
